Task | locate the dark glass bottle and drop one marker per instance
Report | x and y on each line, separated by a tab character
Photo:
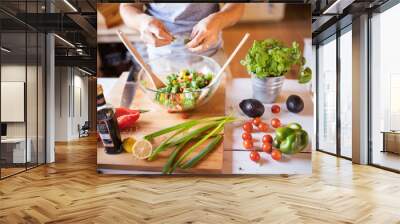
107	125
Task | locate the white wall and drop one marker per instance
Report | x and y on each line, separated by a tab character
16	73
80	110
61	103
71	94
33	127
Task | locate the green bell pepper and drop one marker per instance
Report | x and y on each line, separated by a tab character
294	126
290	139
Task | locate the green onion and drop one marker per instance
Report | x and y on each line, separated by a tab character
211	146
191	149
168	143
167	166
193	134
183	140
211	127
187	124
164	145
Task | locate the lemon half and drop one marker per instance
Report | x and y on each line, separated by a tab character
142	149
128	143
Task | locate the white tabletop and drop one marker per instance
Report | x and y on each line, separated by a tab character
236	158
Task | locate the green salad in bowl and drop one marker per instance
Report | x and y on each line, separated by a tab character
188	81
182	89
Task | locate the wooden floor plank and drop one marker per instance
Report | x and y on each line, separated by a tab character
70	191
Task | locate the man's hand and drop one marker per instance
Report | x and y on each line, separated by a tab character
153	31
205	34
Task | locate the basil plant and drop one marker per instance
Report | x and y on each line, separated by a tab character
271	58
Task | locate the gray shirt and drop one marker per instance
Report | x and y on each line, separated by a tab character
179	19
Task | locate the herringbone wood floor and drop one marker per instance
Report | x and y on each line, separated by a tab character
70	191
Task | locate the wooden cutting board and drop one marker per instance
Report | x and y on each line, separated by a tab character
158	118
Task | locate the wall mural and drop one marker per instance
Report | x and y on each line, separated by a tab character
211	89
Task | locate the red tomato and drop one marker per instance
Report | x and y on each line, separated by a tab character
246	136
275	109
276	154
267	139
267	147
263	127
256	121
248	127
247	144
276	123
255	156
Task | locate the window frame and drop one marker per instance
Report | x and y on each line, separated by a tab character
378	10
334	37
31	30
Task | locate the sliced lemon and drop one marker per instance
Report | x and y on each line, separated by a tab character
128	143
142	149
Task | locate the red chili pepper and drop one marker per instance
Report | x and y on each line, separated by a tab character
127	121
127	117
120	111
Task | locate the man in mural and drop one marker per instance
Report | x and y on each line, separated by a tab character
181	27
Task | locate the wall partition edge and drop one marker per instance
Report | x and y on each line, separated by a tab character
360	68
50	98
50	91
0	95
316	98
26	90
338	97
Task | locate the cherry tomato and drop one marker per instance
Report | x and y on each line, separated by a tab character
256	121
248	127
267	147
276	123
276	154
263	127
246	136
255	156
267	139
275	109
247	144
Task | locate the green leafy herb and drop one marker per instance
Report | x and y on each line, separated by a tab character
271	58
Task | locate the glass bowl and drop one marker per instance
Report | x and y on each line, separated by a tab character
174	63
